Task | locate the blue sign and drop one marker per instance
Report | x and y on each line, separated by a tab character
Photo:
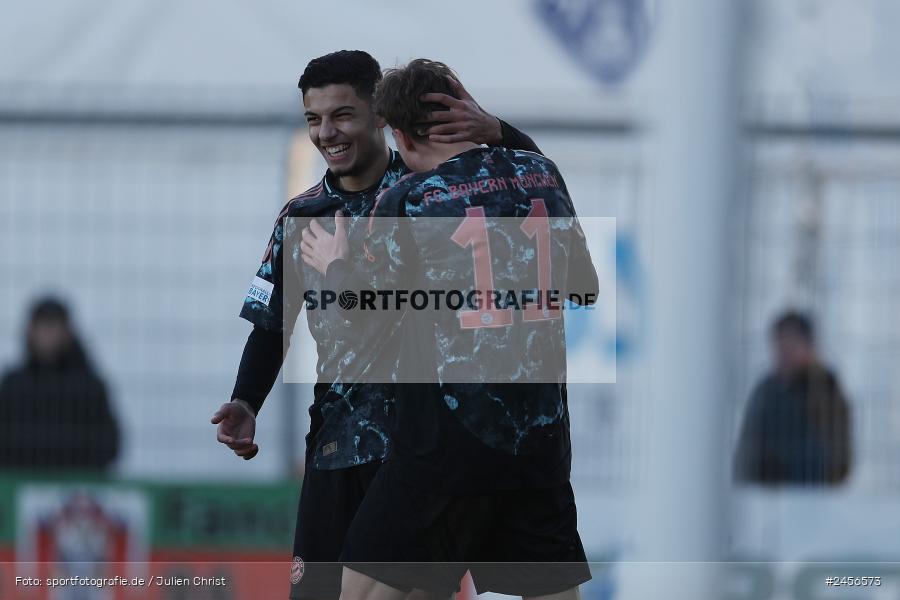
606	37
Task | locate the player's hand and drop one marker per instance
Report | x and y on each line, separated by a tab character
466	121
319	248
237	427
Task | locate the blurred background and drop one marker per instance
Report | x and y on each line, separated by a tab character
147	147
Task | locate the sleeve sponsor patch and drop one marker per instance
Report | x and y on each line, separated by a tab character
261	290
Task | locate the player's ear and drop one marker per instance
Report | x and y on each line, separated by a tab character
403	140
380	123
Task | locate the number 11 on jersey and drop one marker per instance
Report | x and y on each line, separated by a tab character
473	232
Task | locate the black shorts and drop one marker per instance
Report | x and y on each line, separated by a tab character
328	502
521	543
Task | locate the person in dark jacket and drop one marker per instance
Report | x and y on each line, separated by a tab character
54	408
797	427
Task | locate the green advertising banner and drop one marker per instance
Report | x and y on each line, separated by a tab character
244	517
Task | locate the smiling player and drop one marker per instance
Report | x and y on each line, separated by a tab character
348	437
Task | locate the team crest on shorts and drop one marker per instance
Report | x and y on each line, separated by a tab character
296	570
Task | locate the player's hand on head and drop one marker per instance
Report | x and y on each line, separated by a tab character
236	428
320	248
464	121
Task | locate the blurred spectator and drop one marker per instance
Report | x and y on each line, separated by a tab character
54	411
797	427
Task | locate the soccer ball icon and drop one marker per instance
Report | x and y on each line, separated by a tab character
348	300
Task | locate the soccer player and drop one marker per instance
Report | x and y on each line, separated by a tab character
479	470
348	437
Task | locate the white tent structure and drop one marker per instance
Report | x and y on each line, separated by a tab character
201	56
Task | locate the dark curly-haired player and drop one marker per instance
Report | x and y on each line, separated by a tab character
348	437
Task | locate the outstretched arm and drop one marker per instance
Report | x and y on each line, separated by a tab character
273	314
260	363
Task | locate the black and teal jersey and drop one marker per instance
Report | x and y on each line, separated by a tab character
353	419
481	401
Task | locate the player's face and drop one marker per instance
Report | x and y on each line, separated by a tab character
344	128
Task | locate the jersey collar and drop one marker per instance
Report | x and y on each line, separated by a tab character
330	181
